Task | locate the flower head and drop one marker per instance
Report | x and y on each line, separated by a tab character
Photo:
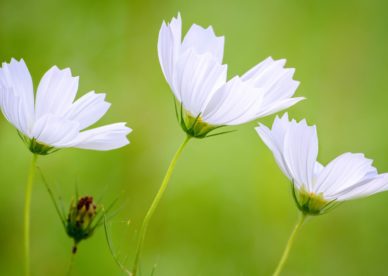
194	70
51	119
79	223
295	148
84	217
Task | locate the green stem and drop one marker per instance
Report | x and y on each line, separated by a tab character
154	205
73	252
289	245
27	205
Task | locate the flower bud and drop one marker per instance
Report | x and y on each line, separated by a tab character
79	224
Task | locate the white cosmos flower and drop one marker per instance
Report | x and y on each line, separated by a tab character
52	119
295	148
194	70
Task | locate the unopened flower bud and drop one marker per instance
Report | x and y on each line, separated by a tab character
79	224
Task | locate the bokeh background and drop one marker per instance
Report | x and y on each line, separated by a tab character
228	209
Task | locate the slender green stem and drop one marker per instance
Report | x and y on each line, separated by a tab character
289	244
27	205
154	205
73	252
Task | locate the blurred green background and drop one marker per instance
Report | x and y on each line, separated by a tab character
228	209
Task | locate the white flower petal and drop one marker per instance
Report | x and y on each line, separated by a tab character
276	83
279	129
103	138
234	103
265	89
204	41
169	44
274	140
192	71
318	168
56	92
196	79
364	188
258	70
300	153
55	131
16	77
13	109
344	171
270	73
88	109
295	148
54	120
278	106
281	88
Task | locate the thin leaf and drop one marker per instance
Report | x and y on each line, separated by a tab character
99	220
23	137
220	133
195	121
183	124
62	216
61	202
153	270
330	205
100	197
294	196
110	245
176	110
76	191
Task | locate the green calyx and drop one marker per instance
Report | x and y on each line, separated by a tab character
37	147
79	223
194	126
311	203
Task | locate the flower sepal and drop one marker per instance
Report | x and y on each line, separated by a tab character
194	126
37	147
311	203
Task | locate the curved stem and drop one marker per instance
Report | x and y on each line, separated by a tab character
289	245
27	205
154	205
